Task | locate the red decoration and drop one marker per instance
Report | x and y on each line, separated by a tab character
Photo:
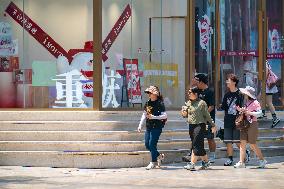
32	28
115	31
238	53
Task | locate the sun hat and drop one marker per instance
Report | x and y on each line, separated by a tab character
153	90
248	91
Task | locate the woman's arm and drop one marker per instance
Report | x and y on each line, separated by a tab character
143	118
206	114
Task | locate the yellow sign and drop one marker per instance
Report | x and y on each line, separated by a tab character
155	73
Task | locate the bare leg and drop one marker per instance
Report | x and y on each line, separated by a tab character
257	151
194	158
212	145
270	104
230	150
243	150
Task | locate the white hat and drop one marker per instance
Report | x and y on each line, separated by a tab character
248	91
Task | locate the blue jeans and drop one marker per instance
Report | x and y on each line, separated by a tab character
151	140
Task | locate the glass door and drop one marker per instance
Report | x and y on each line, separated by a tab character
275	48
239	43
204	38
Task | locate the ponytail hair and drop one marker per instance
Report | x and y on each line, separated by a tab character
160	96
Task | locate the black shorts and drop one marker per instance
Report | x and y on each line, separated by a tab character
231	135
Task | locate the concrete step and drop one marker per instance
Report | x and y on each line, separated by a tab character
104	135
81	125
115	146
96	125
103	159
84	115
85	135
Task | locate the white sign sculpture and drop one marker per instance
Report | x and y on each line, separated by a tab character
109	89
69	90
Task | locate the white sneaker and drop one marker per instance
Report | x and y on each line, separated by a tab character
150	166
262	163
190	166
240	165
160	158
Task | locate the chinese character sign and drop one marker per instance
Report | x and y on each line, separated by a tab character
34	30
69	90
205	31
115	31
109	89
132	80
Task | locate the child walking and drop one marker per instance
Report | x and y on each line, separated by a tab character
156	116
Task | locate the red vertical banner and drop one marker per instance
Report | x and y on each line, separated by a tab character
132	80
115	31
34	30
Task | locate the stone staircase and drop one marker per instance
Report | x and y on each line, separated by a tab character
90	139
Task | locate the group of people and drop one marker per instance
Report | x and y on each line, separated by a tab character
199	111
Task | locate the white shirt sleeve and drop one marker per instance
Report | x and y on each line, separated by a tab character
258	113
162	116
143	118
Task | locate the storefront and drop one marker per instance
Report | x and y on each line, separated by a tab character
102	54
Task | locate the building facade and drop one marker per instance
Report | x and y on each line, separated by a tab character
102	54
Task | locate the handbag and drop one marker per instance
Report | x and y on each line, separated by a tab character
271	79
241	121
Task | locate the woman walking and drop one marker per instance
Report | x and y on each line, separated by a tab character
252	110
155	115
271	89
196	112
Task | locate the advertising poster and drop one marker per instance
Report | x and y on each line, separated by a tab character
155	73
132	80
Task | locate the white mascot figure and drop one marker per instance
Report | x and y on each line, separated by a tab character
83	62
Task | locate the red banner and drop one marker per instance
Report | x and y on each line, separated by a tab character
238	53
275	56
115	31
30	26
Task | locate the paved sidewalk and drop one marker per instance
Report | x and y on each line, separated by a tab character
169	176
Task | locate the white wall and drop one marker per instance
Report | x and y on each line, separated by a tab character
68	22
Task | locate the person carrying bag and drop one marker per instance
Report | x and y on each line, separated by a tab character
251	111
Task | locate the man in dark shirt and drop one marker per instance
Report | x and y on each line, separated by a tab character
201	81
231	100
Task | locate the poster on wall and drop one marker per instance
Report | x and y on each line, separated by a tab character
132	80
155	73
9	64
8	46
205	31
